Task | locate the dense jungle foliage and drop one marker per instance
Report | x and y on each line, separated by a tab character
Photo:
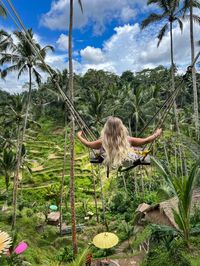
134	97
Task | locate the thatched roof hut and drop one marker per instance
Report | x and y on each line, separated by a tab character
162	213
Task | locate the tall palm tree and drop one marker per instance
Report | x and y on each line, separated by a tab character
22	58
72	151
189	5
170	13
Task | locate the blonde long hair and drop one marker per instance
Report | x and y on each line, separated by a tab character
115	141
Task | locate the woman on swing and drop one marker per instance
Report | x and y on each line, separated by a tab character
116	142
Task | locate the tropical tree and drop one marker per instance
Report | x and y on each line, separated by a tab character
72	152
22	57
170	13
137	105
189	5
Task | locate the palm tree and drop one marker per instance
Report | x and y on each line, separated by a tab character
137	105
21	57
63	175
72	151
170	13
189	4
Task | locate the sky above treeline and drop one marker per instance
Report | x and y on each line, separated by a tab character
106	36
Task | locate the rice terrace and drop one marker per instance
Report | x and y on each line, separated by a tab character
100	133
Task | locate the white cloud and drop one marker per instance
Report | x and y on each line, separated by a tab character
12	85
92	55
57	61
131	49
97	12
128	13
62	42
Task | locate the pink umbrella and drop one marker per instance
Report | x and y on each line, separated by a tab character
21	248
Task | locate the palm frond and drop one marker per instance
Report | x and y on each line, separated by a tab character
163	171
190	184
8	58
8	70
174	5
22	70
37	76
180	23
178	219
80	4
160	3
46	49
152	18
195	4
162	33
195	18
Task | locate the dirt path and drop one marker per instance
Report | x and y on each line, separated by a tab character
125	260
132	261
120	249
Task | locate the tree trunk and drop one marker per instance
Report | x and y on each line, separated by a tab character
7	185
173	87
194	83
72	153
124	181
19	153
95	195
102	200
63	177
173	76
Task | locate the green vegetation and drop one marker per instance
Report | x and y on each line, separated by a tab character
43	164
41	174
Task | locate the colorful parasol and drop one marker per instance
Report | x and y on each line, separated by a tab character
21	248
105	240
5	242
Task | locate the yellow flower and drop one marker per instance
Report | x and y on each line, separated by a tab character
5	242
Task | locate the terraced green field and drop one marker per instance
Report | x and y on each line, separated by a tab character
44	160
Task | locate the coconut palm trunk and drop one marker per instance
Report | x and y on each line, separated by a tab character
102	199
7	186
95	194
63	177
194	83
72	152
173	74
19	151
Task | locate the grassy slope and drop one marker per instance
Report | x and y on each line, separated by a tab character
45	158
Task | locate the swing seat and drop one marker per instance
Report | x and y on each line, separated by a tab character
130	165
136	156
98	156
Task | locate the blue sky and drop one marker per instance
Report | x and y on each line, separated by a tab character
106	36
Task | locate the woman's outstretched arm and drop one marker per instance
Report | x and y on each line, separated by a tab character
90	144
141	141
